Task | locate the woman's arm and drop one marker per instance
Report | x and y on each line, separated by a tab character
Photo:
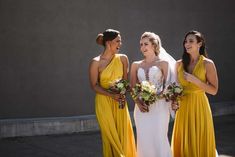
133	74
212	79
125	62
178	63
164	67
175	104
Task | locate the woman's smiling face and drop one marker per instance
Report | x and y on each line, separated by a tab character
191	44
146	46
115	44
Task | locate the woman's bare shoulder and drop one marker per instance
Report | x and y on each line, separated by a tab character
207	61
178	62
122	55
95	61
136	64
164	62
209	64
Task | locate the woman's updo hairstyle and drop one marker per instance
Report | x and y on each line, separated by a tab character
107	35
154	39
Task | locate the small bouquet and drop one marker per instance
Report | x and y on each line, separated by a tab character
173	92
120	86
145	91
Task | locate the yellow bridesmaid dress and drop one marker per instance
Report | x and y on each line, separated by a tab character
193	133
115	124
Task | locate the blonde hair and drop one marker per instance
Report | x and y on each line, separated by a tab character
154	39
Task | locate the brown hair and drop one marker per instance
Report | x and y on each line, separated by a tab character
107	35
202	50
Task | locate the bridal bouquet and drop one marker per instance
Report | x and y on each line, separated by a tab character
145	91
173	92
120	86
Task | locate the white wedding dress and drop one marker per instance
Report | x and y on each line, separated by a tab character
152	126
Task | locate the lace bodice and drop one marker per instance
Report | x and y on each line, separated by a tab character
153	75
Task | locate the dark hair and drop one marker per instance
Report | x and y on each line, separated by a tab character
107	35
202	50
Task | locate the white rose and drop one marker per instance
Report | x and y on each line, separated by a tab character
120	85
178	90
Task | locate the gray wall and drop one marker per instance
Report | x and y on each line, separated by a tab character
46	47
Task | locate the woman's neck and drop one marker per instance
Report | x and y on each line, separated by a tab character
150	59
194	57
107	54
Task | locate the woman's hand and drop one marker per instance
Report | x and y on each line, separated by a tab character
117	97
142	106
191	78
175	105
120	98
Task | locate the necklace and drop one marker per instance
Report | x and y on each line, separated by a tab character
150	61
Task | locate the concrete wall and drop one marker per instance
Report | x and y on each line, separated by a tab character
75	124
46	47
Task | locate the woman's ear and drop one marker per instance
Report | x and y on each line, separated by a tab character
200	44
108	44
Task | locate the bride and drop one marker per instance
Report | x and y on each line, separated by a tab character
152	121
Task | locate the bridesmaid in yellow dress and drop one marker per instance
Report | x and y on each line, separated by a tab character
115	124
193	133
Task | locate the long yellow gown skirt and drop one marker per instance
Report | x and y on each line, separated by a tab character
193	133
115	124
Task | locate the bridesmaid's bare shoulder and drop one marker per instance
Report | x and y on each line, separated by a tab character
208	61
95	61
209	64
178	63
123	57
